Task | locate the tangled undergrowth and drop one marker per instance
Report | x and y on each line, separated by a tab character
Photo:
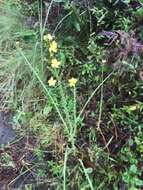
71	78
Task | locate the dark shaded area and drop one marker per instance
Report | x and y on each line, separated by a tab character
7	134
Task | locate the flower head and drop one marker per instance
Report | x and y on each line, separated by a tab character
55	63
53	47
17	43
72	82
52	82
103	61
47	37
133	107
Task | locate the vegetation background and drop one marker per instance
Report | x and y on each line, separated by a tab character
71	82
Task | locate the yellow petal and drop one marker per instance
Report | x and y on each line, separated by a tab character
53	47
133	107
55	63
52	82
49	36
72	82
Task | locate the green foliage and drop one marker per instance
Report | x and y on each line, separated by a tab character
77	127
132	175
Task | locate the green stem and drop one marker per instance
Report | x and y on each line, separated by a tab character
45	89
64	169
86	175
93	93
75	118
66	111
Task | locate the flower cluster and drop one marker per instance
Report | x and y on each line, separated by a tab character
55	63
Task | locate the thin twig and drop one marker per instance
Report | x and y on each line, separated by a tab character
60	22
47	16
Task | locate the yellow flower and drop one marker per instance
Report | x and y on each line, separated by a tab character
103	61
17	43
47	37
133	107
72	82
53	47
52	82
55	63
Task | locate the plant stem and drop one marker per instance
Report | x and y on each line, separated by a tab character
45	89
